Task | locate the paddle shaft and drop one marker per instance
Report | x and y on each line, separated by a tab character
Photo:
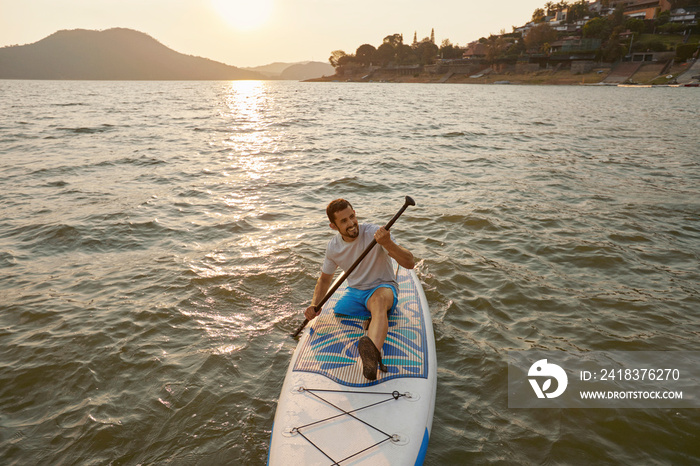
409	201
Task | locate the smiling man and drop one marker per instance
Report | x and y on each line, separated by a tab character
372	289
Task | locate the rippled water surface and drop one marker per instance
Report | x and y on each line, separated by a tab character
158	242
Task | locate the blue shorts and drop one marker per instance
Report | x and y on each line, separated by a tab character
354	302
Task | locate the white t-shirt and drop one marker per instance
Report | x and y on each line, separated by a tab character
374	270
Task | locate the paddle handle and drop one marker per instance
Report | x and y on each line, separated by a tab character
408	202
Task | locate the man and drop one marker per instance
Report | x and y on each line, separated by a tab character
372	289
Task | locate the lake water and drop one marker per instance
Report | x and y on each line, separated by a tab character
159	241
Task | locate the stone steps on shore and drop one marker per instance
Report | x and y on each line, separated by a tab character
622	72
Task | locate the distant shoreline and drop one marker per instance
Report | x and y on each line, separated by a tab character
542	77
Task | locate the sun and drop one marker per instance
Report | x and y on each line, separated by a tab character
244	15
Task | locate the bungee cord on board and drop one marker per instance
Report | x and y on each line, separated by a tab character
395	395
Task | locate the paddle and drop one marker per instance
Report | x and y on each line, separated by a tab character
408	202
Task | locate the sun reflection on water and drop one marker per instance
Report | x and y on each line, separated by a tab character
235	279
247	105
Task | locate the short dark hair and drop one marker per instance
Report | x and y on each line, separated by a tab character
336	206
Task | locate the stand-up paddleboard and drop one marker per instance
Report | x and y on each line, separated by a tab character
328	413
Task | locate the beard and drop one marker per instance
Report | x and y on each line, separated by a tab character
352	231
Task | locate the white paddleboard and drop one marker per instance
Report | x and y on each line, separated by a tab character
328	413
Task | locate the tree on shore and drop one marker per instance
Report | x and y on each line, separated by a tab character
393	50
394	40
539	36
495	46
448	51
683	3
597	28
618	16
336	57
635	25
405	54
426	52
538	16
366	54
385	53
614	50
577	11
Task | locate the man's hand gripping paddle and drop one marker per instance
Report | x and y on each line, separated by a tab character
408	202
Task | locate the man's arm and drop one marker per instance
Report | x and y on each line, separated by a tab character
402	255
322	285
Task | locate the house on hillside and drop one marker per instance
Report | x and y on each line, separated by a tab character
523	30
654	57
643	9
646	9
576	44
612	4
596	7
687	15
475	51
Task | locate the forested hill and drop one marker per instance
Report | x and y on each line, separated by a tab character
114	54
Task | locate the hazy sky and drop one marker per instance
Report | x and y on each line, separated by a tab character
259	32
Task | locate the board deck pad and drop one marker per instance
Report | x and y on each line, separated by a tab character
331	349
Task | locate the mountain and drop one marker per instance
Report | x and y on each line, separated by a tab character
295	71
272	71
311	70
113	54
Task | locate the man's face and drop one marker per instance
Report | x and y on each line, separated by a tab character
346	224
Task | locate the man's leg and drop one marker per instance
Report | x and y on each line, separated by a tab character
370	346
379	305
